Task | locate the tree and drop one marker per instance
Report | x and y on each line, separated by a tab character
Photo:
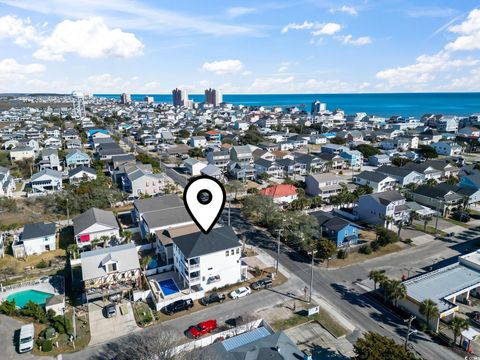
377	276
368	150
400	161
458	324
234	186
373	346
427	151
127	235
153	345
338	141
260	209
325	249
8	307
429	309
301	229
195	152
252	136
396	290
431	182
144	261
72	250
452	180
184	134
426	220
35	311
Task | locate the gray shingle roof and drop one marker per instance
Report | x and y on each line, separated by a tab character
79	169
158	203
372	176
387	197
36	230
49	172
125	256
94	216
198	244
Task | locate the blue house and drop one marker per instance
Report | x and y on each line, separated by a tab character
342	232
470	181
333	149
92	132
76	158
353	157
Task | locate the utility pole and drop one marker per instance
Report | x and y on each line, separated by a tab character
278	252
409	331
229	206
68	212
438	214
311	275
74	324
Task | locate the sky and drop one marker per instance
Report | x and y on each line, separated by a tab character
252	47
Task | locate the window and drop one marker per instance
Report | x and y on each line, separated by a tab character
232	252
238	250
226	253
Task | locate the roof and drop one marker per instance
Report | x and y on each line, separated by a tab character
124	255
330	221
395	171
198	244
387	197
79	169
49	172
279	191
437	192
372	176
211	170
94	216
157	203
37	230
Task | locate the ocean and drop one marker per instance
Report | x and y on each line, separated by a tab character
404	104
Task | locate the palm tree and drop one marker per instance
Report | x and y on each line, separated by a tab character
396	290
388	221
72	250
458	324
144	261
105	239
377	276
95	242
127	235
429	309
426	219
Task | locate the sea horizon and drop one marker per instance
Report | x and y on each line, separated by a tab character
380	104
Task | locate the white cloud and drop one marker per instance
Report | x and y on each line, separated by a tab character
346	9
327	29
10	66
88	38
469	31
360	41
19	30
318	28
234	12
131	14
424	69
222	67
284	66
267	84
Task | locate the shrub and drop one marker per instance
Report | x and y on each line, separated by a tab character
365	249
47	346
342	254
375	245
8	307
35	311
42	264
408	241
62	324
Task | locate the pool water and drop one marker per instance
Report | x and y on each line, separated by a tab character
23	297
168	287
153	264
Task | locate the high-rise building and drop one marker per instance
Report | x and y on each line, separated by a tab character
78	104
180	97
318	107
213	97
125	98
149	99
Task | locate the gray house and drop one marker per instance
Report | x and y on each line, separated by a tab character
378	208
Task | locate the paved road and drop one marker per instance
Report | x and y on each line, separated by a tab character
338	288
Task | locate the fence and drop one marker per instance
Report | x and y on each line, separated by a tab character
200	343
159	270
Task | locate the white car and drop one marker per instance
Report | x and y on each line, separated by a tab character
240	292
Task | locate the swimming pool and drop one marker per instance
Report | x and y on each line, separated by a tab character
153	264
168	287
23	297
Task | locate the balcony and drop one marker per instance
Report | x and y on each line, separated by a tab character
194	280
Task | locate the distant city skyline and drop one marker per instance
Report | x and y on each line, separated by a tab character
305	46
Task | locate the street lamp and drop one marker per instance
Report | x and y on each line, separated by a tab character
409	331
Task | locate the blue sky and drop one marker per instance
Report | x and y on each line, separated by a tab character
309	46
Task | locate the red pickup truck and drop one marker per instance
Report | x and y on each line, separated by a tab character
202	328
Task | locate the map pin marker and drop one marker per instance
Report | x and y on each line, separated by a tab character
204	197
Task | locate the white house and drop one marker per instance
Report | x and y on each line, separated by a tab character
377	181
379	207
194	166
81	173
208	260
93	224
7	184
46	181
324	185
280	194
198	141
22	153
36	239
447	148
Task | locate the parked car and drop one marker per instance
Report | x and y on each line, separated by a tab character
264	283
25	340
462	216
110	310
240	292
176	306
202	328
212	298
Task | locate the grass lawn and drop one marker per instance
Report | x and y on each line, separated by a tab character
323	318
429	230
459	223
143	313
357	257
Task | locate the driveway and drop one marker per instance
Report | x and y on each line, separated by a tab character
9	332
104	329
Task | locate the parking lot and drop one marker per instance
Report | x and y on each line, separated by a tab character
103	329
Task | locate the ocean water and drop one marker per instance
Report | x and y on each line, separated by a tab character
404	104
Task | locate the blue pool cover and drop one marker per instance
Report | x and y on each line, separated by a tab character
168	287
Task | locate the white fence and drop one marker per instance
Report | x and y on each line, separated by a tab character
141	295
160	303
200	343
158	270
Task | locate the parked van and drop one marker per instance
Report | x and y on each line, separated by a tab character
25	343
